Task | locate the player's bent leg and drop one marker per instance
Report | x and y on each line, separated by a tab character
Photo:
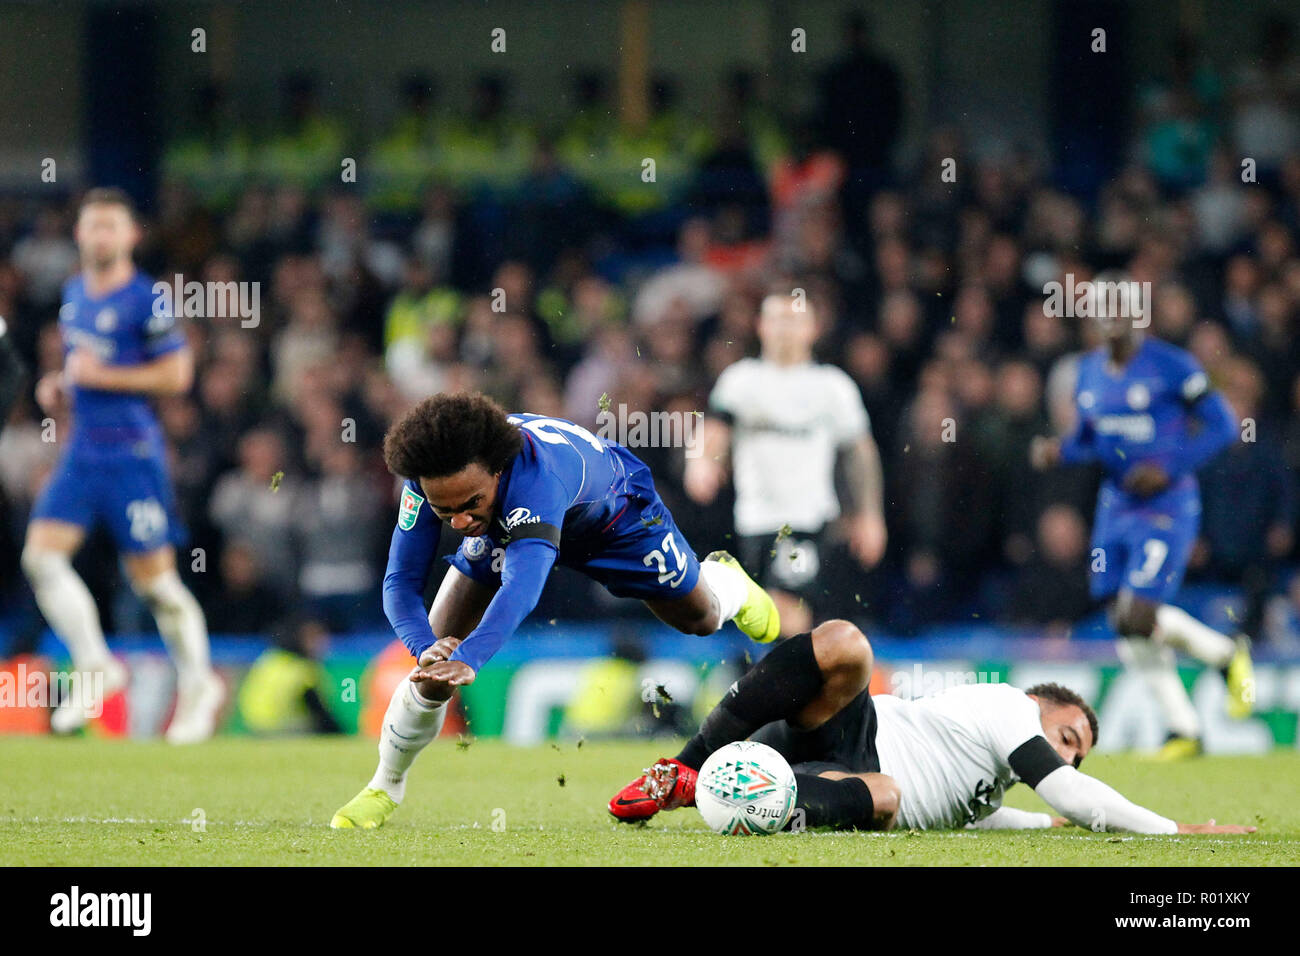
804	680
1239	675
695	613
1134	617
1231	657
848	801
724	593
416	710
411	722
70	609
845	660
1179	630
60	592
199	691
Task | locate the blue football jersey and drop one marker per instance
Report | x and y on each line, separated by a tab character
1159	408
122	329
568	497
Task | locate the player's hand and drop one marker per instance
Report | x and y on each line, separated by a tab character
868	537
451	673
82	367
703	479
1146	479
1044	452
1060	822
50	394
1213	827
441	650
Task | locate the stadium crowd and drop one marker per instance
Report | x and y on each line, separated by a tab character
476	251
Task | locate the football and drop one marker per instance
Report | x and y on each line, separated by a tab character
746	789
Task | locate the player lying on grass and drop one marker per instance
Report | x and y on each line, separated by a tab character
527	492
871	763
1148	416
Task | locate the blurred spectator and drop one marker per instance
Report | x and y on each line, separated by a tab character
693	287
1052	588
46	258
338	533
861	112
1266	98
1249	513
285	690
378	293
243	603
941	506
256	502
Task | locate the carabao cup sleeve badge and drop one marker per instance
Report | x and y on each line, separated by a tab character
409	509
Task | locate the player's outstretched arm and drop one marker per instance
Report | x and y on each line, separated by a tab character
410	556
169	374
1088	802
523	576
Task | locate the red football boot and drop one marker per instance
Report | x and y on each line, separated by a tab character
667	785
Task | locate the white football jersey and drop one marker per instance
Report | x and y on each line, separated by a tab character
787	424
949	752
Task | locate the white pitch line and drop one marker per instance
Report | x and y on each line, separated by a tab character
897	835
186	821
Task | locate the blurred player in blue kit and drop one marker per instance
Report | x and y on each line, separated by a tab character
527	492
1147	415
120	351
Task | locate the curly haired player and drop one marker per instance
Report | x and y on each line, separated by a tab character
527	492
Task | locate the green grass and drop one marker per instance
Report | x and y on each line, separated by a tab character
88	802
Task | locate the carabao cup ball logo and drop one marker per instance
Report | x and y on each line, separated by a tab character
746	788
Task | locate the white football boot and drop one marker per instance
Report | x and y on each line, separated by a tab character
197	709
88	698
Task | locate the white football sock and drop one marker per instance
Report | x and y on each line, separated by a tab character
1179	630
182	625
729	588
1158	666
410	723
67	605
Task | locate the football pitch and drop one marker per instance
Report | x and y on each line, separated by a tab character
240	801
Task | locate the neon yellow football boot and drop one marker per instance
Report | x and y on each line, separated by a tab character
758	618
366	811
1177	748
1240	675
